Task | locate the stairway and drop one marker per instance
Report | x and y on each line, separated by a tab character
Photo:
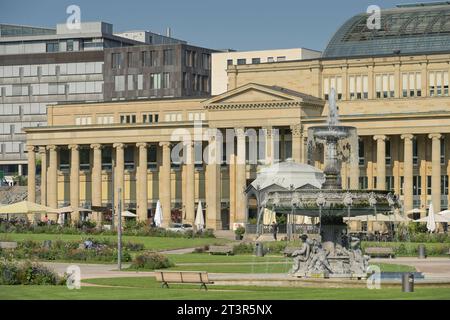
225	234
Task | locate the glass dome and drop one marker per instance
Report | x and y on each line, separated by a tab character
406	29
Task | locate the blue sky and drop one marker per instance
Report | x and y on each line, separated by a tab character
218	24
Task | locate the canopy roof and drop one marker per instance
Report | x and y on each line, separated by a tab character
289	175
24	207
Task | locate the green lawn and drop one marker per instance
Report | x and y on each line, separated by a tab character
150	243
148	288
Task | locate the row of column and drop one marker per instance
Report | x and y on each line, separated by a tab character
49	180
408	168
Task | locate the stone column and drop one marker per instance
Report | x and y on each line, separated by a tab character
97	180
189	202
118	178
165	184
141	183
296	131
268	134
436	171
52	181
232	167
75	180
43	155
408	172
213	190
31	174
354	164
381	161
241	177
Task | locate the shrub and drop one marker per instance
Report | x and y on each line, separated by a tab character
27	273
151	261
243	248
239	231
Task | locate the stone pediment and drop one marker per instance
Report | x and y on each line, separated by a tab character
255	94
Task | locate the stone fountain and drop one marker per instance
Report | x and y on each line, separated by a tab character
334	253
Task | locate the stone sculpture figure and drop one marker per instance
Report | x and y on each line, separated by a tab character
301	256
319	260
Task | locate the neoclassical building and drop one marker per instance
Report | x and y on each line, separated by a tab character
397	99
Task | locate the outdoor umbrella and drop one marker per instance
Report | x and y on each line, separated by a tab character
199	220
431	221
24	207
158	215
437	218
269	217
445	214
128	214
415	210
68	209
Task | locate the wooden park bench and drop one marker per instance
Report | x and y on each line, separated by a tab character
220	250
8	245
287	252
191	277
380	252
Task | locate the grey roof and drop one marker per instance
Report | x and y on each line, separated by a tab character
288	175
407	29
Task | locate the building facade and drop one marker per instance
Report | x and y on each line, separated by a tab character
222	60
157	71
44	66
399	104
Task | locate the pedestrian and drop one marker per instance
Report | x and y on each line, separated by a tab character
275	230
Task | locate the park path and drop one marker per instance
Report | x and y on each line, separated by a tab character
90	271
431	267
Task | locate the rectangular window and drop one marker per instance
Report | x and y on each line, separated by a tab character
229	62
116	60
166	80
152	156
334	82
282	58
444	185
388	152
378	86
155	81
270	59
241	61
52	47
128	154
127	118
442	151
145	58
417	185
431	83
256	60
429	185
206	61
385	86
69	45
361	152
130	59
168	57
130	82
119	83
140	82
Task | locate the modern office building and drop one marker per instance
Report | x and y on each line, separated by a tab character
221	61
157	71
398	101
43	66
